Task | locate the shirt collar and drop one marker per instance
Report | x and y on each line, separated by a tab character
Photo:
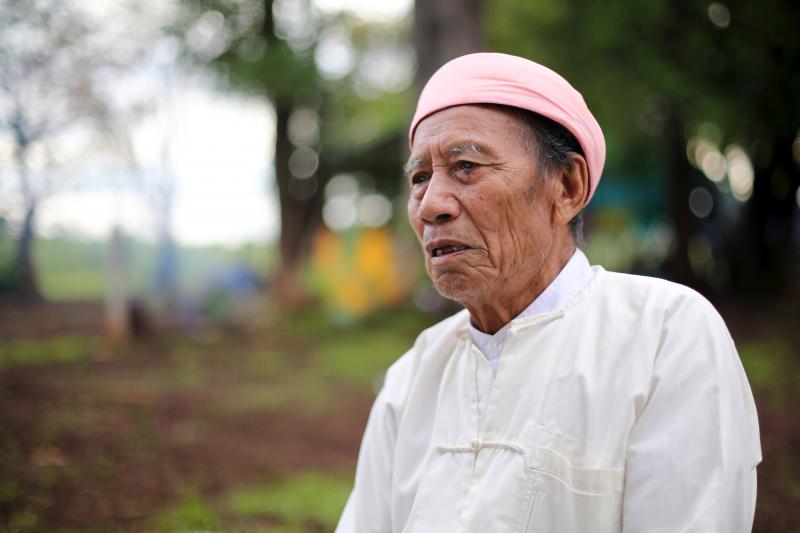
576	275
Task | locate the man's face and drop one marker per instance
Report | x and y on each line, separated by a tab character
478	205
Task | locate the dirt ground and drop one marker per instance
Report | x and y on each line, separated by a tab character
106	442
143	451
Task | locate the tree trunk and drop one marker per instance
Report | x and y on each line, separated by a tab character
26	268
300	200
443	30
300	208
116	303
678	175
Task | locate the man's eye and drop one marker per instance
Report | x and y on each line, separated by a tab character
419	177
466	165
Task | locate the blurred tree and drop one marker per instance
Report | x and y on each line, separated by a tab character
242	41
758	81
8	274
443	30
304	64
653	72
48	64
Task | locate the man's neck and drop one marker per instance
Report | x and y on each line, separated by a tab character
498	308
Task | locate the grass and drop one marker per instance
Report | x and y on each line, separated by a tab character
771	367
359	359
307	499
59	349
190	515
306	502
70	267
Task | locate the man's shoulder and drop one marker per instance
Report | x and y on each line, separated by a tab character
432	348
666	293
616	280
449	327
436	338
675	302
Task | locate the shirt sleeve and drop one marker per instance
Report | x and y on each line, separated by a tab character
692	454
368	509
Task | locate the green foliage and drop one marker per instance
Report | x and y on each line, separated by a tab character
635	60
261	75
355	123
255	60
653	73
361	129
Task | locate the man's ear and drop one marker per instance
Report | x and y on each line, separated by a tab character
574	190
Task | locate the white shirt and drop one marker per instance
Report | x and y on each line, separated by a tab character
625	409
576	275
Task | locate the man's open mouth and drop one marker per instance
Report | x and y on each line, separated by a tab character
446	250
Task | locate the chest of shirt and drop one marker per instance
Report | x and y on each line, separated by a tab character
550	427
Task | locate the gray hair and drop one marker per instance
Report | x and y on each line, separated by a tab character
554	146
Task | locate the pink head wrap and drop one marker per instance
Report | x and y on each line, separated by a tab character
514	81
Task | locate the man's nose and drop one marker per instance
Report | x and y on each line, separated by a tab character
439	203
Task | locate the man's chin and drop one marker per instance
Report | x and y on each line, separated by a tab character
456	287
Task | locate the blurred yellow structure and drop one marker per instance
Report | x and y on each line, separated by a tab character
361	270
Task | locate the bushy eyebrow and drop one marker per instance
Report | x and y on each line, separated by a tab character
462	148
412	165
469	148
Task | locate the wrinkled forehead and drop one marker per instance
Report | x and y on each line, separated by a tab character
469	127
483	132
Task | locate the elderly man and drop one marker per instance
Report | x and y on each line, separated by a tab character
564	398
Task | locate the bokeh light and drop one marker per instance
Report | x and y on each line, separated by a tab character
374	210
339	212
714	165
719	15
341	185
210	35
303	162
304	127
740	172
334	54
701	202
